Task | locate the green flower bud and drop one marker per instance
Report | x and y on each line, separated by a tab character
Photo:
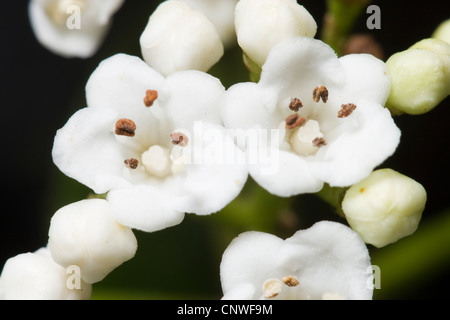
420	77
442	32
384	207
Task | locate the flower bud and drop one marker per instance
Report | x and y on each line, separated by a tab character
261	24
35	276
442	32
85	234
420	77
384	207
178	38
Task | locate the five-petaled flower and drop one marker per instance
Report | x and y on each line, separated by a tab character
328	112
156	145
327	261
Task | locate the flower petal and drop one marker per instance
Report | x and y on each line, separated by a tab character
283	173
144	207
370	136
331	258
364	72
86	149
217	174
249	259
296	66
194	97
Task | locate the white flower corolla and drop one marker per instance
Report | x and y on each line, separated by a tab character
72	28
326	261
384	207
261	24
35	276
179	38
221	14
442	32
318	118
420	77
85	234
156	145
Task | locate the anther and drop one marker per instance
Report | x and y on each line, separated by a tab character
179	139
319	142
295	104
294	120
320	93
290	281
131	163
346	110
125	127
150	97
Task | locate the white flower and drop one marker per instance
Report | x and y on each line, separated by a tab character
326	261
384	207
221	14
327	112
155	144
72	28
35	276
261	24
178	38
85	234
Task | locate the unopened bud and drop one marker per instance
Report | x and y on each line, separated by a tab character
384	207
420	77
261	24
178	38
442	32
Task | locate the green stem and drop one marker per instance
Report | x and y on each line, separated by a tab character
333	196
339	20
253	68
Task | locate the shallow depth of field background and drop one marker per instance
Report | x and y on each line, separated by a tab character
39	91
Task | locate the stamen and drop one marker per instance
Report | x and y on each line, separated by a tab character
346	110
272	287
125	127
294	120
295	104
179	139
131	163
150	97
319	142
320	93
290	281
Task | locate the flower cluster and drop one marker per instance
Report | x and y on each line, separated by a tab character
160	137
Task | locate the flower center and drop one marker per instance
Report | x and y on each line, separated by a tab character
156	161
307	139
59	11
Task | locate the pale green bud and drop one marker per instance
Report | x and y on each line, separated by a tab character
420	77
442	32
384	207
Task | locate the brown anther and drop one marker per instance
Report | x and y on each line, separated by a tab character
290	281
295	104
150	97
346	110
320	93
294	121
131	163
319	142
179	139
125	127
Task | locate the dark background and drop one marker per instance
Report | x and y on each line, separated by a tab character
39	91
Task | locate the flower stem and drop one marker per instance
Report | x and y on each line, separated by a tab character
334	197
339	19
253	68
